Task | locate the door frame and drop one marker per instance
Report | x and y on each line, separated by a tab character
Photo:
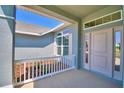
87	66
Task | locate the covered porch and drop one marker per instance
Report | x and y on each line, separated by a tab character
56	59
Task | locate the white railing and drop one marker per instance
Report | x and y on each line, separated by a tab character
33	69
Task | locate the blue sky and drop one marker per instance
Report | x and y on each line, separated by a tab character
33	18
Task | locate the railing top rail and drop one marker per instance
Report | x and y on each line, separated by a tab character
40	58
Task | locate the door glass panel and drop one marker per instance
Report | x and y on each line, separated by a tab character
107	19
117	51
99	21
92	23
65	40
86	52
87	25
116	16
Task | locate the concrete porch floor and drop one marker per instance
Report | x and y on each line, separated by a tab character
74	79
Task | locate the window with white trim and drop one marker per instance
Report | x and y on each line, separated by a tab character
62	43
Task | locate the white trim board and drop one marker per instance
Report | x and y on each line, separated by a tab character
7	17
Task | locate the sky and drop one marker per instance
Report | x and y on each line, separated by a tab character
36	19
118	37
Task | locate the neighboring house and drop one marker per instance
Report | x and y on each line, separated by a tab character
39	41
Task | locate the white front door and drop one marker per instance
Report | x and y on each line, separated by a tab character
101	51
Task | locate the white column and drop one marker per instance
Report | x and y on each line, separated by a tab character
7	31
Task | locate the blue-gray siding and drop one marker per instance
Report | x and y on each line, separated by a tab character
27	46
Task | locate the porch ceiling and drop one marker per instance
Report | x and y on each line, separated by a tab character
35	29
21	26
80	11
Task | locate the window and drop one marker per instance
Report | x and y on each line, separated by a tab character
107	19
62	42
117	50
86	51
112	17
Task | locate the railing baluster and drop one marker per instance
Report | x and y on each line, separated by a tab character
59	64
32	69
43	67
54	66
49	66
29	70
62	63
24	71
16	72
46	65
66	62
20	73
69	61
36	68
39	68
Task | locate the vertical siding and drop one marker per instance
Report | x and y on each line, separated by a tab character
27	46
6	45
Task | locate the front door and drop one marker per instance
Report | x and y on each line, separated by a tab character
101	51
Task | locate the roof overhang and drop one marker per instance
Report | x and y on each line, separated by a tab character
28	29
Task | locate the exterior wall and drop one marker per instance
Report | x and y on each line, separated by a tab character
27	46
6	45
76	36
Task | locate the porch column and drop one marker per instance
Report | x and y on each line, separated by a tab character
80	54
6	45
123	44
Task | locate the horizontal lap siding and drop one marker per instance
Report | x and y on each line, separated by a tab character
27	46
